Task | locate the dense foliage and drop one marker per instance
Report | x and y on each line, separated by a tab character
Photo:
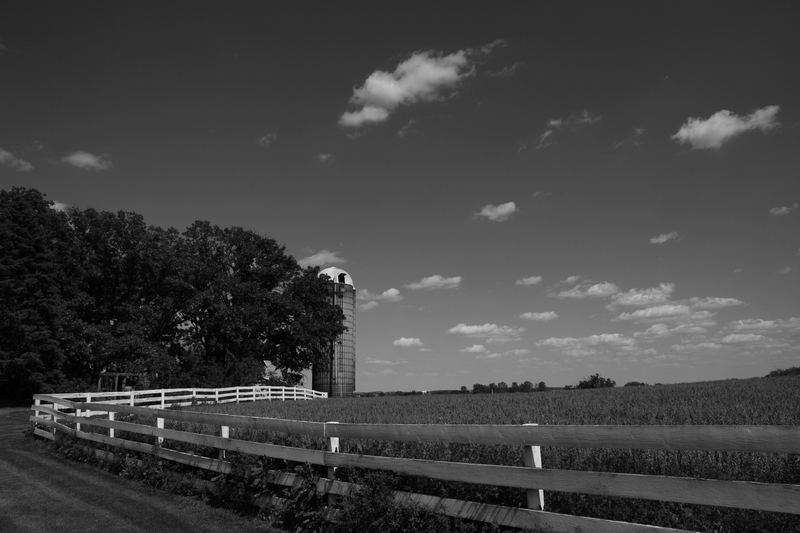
502	387
793	371
87	291
596	381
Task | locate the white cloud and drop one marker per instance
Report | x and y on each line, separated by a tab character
321	258
650	296
265	140
7	158
633	139
498	213
405	130
87	161
582	119
372	361
323	157
516	352
543	317
59	206
492	332
407	342
785	210
424	76
714	303
571	279
435	282
664	237
475	348
757	324
784	270
699	347
367	306
742	338
659	311
714	131
606	339
527	282
389	295
587	289
662	330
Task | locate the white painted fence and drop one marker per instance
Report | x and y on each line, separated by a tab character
163	398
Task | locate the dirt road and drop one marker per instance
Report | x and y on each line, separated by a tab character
41	492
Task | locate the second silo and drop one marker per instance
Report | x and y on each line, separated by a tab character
338	376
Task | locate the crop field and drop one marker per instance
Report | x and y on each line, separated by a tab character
760	401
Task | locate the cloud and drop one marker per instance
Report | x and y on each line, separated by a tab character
606	339
699	347
389	295
664	237
475	348
367	306
785	210
587	289
265	140
659	311
650	296
498	213
784	270
657	331
573	122
633	139
424	76
372	361
506	72
571	279
7	158
324	157
492	332
543	317
405	130
87	161
407	342
435	282
582	119
321	258
371	300
517	352
757	324
723	125
527	282
714	303
59	206
742	338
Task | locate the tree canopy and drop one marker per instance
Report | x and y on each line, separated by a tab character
83	291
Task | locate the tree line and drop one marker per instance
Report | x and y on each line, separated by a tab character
503	387
84	291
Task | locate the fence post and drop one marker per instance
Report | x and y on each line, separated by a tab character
37	403
159	425
225	433
88	400
333	447
237	394
283	394
216	395
533	459
163	394
77	416
133	402
111	418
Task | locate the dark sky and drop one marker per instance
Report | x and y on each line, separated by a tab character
520	191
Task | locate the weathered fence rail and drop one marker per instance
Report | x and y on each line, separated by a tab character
68	416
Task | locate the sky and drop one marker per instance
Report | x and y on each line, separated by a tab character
520	191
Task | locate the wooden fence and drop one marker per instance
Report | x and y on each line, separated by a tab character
52	412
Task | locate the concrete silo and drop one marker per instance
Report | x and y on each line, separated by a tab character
338	377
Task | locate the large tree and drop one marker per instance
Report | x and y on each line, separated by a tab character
86	291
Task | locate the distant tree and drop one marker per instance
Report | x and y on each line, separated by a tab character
514	387
464	389
526	386
502	387
541	387
568	387
793	371
595	382
492	387
480	389
635	384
